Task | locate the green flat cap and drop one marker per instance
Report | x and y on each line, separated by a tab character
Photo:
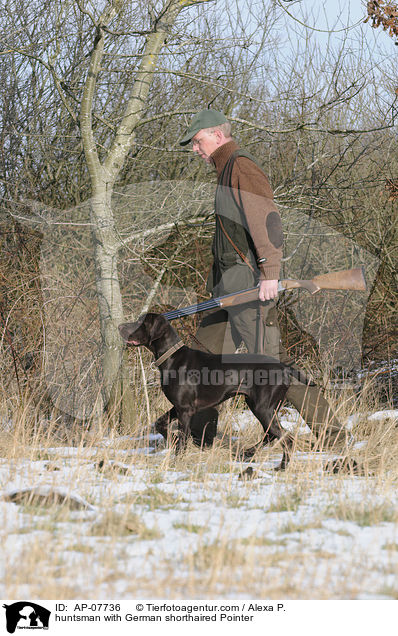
204	119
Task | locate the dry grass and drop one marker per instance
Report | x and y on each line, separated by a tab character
188	527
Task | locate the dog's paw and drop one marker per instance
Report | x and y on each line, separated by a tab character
343	465
112	466
249	473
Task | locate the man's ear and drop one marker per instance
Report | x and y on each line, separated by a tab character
219	135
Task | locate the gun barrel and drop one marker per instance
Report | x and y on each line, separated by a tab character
238	298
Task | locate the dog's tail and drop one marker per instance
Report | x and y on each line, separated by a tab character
300	376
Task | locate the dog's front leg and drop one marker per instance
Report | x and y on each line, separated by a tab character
163	422
184	418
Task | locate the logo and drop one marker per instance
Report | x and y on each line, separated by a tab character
26	615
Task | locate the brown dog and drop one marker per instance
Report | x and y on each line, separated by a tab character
193	380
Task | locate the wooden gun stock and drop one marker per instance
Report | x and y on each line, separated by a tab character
349	279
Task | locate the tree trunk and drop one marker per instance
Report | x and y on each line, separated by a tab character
108	292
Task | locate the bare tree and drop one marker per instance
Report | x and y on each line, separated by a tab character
110	86
85	106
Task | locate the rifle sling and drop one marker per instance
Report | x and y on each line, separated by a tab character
236	248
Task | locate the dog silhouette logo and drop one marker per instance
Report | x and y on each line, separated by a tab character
26	615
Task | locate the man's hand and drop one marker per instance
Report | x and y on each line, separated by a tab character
268	289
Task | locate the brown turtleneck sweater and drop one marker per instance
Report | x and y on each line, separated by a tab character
252	189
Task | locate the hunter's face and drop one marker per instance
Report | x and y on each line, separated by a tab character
204	144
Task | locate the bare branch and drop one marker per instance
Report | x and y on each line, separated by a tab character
311	28
143	80
165	227
90	149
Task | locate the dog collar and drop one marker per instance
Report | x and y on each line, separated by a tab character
169	353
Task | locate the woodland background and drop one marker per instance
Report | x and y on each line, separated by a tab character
103	215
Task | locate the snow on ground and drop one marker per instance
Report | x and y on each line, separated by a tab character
148	526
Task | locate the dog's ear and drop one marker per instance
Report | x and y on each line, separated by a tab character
159	328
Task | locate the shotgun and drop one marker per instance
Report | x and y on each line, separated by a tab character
351	279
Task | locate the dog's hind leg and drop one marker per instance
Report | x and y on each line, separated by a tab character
287	444
264	416
272	431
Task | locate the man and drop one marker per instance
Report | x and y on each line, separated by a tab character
247	250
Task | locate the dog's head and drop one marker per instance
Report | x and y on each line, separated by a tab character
145	330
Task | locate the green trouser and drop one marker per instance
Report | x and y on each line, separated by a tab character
222	332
